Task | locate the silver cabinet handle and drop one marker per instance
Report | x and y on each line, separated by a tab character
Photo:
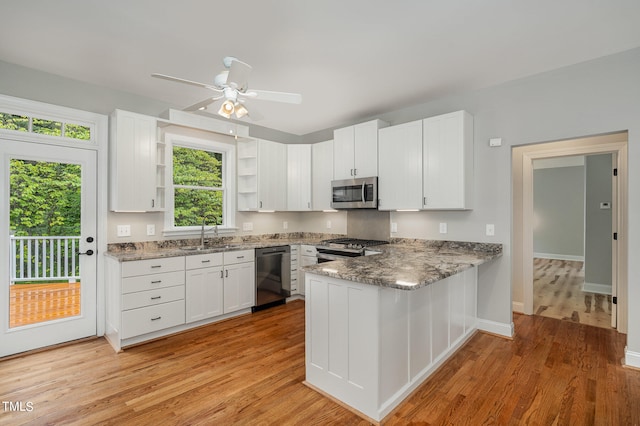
351	172
226	273
355	172
260	204
156	266
239	257
424	201
206	261
221	274
156	297
156	282
156	318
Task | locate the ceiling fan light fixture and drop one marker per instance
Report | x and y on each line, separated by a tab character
240	110
226	109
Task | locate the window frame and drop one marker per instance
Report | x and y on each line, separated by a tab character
228	188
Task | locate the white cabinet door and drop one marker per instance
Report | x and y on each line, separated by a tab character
321	175
272	176
343	153
366	149
448	161
239	286
133	168
298	177
355	150
400	166
204	293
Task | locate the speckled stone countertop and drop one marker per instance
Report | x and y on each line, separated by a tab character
410	264
127	252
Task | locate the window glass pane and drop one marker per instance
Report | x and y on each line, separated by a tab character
191	206
195	167
47	127
14	122
76	131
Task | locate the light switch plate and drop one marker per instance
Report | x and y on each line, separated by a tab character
495	142
247	226
394	227
491	230
124	230
151	229
443	227
328	224
285	225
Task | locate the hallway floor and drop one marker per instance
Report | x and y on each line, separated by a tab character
557	293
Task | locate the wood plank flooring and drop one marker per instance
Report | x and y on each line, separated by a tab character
557	293
33	303
249	370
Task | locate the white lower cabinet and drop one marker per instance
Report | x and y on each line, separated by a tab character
204	287
371	346
239	280
144	296
151	298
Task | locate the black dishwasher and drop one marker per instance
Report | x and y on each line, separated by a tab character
273	276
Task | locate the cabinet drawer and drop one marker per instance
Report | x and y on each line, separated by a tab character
152	281
152	266
240	256
141	299
152	318
294	250
203	260
308	250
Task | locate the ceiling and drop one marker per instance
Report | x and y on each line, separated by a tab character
350	60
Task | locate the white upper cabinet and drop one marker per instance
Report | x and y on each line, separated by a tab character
272	176
133	163
321	175
355	150
299	177
447	157
400	166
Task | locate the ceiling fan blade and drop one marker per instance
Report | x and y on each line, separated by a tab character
266	95
182	80
238	77
201	104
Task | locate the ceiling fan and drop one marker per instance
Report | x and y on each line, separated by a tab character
232	86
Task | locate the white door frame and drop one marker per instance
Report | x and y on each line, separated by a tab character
99	124
522	210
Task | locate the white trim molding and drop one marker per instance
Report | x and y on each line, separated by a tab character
497	328
631	358
556	256
597	288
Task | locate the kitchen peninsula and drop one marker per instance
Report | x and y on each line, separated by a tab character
378	326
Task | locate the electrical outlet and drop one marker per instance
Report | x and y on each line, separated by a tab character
328	224
247	226
285	225
394	227
443	227
491	230
124	230
151	229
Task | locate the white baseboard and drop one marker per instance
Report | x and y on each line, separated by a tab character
558	256
517	307
596	288
499	328
631	358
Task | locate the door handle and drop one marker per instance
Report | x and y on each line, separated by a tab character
88	253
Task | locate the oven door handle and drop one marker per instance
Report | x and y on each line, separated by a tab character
330	256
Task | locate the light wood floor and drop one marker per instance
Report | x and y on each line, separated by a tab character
33	303
557	293
249	370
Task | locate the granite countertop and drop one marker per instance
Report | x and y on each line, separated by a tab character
127	252
411	264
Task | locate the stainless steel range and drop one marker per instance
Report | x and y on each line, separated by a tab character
343	248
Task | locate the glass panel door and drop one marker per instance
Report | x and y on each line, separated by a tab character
49	225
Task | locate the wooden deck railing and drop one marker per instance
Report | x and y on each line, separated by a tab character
44	258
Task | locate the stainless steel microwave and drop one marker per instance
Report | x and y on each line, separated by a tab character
360	193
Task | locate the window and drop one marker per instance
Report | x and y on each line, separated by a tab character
202	184
23	123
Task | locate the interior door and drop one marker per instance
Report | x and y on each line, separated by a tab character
47	257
